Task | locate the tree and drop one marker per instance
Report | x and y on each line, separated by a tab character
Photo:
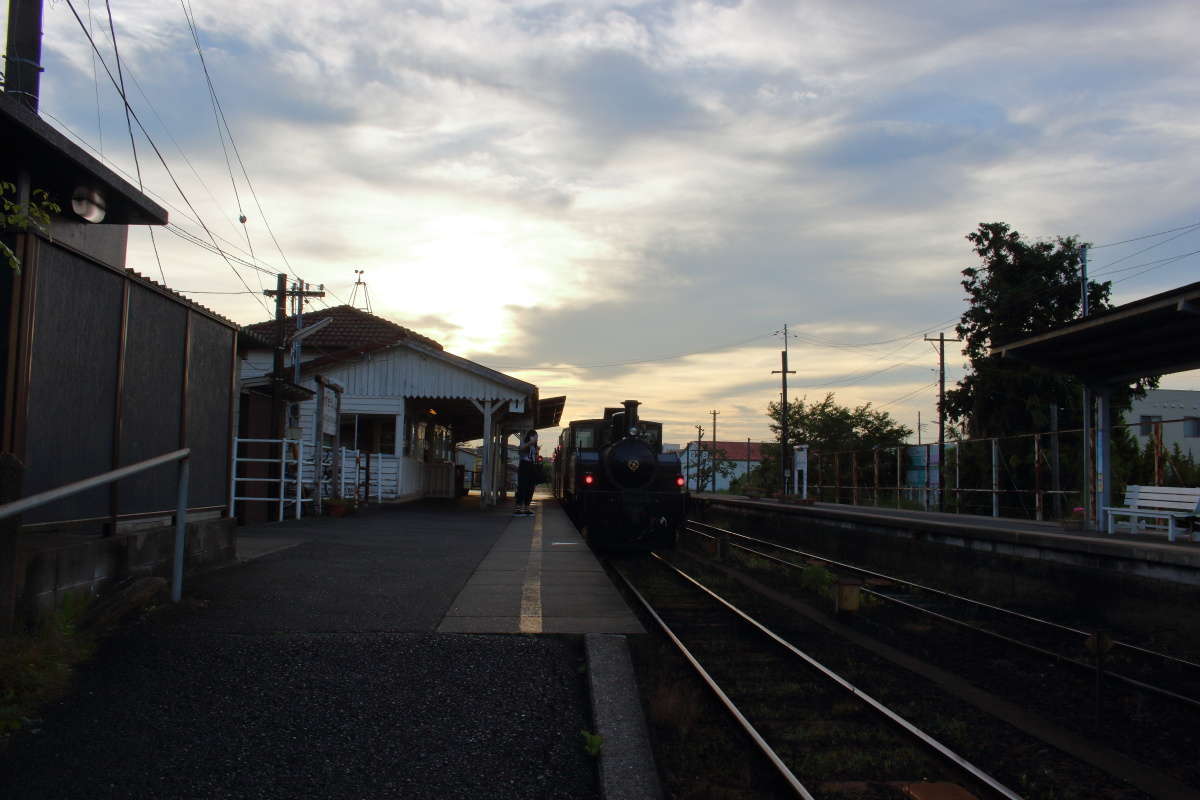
1020	289
826	427
708	463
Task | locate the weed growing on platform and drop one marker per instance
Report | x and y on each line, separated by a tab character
36	668
593	743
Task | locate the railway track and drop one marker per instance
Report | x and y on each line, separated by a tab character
1139	707
799	693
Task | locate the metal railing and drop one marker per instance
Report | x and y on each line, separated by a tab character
42	498
289	467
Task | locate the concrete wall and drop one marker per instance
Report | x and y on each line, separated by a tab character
1109	584
52	566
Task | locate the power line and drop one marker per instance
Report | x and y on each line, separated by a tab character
157	152
220	111
906	395
1145	249
128	125
1147	236
172	227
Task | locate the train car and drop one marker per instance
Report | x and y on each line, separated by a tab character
620	488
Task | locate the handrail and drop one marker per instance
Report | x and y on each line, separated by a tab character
181	455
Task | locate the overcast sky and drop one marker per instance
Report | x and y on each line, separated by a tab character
626	200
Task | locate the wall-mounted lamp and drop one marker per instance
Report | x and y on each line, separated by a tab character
89	204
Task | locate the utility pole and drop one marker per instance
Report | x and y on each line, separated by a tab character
783	419
1087	397
941	340
281	293
23	52
699	453
714	449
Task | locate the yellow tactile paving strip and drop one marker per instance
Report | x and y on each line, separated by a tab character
539	577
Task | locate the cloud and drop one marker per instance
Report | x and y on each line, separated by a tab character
563	185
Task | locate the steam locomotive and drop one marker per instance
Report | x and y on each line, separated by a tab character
619	487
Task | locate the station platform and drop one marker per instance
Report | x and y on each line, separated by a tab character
422	650
540	577
1147	554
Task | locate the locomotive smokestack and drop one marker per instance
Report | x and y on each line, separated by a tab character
631	417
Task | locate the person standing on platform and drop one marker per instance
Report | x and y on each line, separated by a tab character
527	470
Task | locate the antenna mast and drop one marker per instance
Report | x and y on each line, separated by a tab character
358	281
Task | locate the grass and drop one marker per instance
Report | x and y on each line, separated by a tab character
37	668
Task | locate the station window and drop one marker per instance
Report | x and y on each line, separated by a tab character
1191	427
369	433
1146	424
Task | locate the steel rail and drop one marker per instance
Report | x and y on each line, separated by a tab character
783	769
1007	639
871	573
886	712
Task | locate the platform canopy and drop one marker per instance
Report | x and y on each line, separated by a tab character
1157	335
1154	336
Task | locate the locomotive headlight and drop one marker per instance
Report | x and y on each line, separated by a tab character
633	431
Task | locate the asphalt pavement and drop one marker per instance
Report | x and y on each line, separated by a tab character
314	670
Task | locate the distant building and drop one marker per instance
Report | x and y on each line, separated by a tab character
1179	412
696	456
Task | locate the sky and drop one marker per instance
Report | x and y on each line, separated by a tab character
630	201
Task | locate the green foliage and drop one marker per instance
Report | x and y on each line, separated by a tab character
19	217
706	462
826	427
593	743
37	668
816	578
1020	289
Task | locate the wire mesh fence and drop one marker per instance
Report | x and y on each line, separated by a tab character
1035	476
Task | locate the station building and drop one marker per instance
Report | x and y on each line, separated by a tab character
738	457
388	405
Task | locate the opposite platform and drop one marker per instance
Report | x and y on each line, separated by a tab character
540	577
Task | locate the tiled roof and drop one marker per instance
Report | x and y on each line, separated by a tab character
735	450
350	328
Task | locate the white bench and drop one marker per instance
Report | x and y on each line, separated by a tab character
1171	503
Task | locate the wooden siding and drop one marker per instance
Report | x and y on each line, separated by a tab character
401	372
73	382
208	409
153	391
107	388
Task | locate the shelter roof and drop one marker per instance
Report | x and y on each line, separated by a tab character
549	412
59	166
1157	335
351	329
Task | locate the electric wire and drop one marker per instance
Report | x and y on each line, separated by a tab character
96	81
1147	236
1100	270
157	152
236	152
128	124
172	227
218	118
